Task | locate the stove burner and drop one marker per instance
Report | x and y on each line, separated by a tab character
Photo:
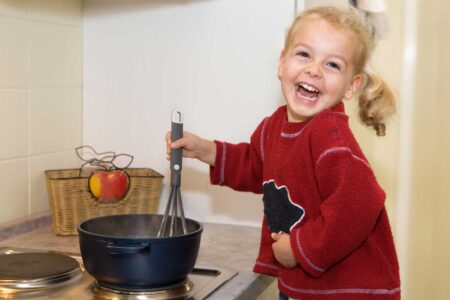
78	284
31	266
35	271
175	291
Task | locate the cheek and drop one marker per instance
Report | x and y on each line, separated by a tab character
288	79
336	85
290	69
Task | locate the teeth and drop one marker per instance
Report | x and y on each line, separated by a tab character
309	88
309	98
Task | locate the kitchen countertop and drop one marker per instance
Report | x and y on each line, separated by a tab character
223	245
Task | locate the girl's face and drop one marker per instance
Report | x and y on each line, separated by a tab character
316	71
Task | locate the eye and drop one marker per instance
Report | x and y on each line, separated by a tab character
302	53
334	65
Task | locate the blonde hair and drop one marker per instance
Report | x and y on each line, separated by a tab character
376	100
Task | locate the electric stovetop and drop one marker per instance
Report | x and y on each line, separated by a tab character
33	274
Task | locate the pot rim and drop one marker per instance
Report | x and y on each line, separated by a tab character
137	238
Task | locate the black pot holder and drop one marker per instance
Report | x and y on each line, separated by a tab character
281	213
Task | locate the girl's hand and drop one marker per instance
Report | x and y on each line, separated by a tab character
282	250
193	147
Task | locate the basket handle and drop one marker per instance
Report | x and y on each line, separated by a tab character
102	160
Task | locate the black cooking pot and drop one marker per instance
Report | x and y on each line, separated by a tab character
122	251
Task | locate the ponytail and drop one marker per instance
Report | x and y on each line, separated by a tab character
376	103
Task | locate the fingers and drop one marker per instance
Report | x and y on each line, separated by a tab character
276	236
193	147
181	143
282	249
168	145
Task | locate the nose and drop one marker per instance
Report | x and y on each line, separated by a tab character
313	70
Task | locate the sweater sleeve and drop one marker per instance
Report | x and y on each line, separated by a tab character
351	203
239	166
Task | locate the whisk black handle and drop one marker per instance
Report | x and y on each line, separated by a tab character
177	154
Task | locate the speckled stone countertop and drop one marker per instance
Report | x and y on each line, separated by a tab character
222	245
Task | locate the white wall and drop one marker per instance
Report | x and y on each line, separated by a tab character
40	99
214	60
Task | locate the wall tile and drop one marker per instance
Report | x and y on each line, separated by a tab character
38	187
47	57
41	66
45	10
55	55
72	12
62	11
14	8
73	57
55	120
14	189
13	124
13	52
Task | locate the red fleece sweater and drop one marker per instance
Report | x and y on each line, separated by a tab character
316	179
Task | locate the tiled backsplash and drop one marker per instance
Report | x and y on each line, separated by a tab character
41	104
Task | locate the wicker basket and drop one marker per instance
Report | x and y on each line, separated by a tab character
71	202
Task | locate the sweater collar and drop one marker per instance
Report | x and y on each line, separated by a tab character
295	128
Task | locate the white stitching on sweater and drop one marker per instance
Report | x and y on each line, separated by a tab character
310	263
222	167
293	135
340	149
262	139
270	266
341	291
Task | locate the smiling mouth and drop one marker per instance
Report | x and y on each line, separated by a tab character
307	92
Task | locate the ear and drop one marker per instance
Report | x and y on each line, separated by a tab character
280	64
354	86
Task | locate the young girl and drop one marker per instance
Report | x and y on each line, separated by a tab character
325	232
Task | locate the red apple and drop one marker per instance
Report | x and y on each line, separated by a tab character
108	186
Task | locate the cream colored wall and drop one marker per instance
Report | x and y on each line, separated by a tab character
429	246
40	98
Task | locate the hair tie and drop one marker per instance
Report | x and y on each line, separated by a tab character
373	14
370	6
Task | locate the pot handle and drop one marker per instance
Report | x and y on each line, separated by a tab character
117	249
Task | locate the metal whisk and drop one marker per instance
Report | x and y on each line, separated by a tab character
174	204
